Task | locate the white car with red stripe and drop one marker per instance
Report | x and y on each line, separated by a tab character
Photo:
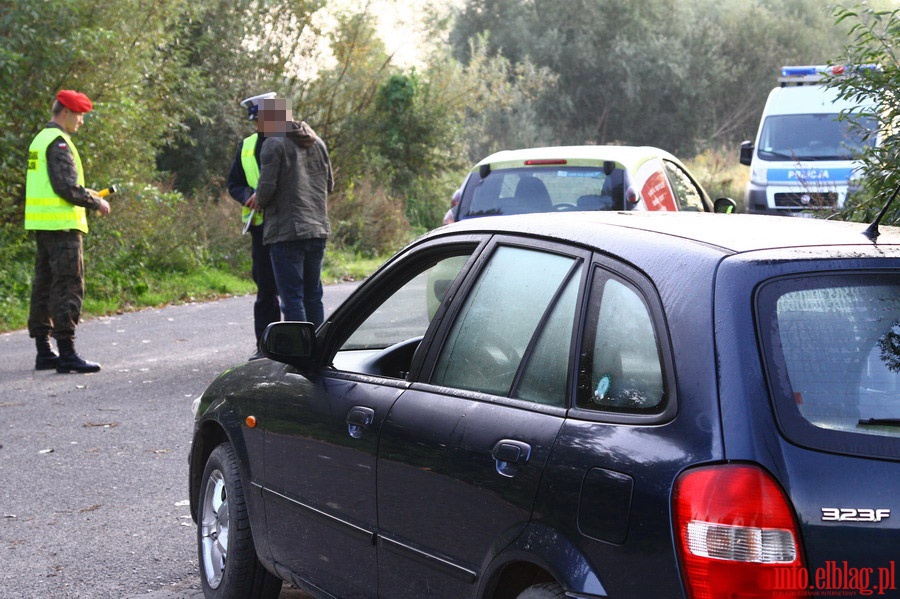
582	178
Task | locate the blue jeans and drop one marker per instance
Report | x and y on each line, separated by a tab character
298	275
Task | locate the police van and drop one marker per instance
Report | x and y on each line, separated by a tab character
805	158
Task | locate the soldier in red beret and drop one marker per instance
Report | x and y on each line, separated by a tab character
56	202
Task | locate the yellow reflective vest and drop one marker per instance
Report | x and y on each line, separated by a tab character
251	172
44	209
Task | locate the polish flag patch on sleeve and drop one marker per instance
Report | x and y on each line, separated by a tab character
62	145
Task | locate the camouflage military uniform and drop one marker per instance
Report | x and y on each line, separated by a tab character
57	291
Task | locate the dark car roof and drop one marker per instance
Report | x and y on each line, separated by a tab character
719	233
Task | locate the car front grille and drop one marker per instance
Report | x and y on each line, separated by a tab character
806	200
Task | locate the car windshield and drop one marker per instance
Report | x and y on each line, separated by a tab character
544	189
812	137
833	347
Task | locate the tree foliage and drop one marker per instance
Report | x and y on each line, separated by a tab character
167	76
125	57
122	54
873	38
233	49
685	76
403	133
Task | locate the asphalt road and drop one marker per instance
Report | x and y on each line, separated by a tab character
93	468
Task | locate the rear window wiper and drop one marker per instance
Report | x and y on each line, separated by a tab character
880	421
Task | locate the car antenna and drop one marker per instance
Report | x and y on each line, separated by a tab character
872	230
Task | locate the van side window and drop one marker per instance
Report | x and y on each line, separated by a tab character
621	369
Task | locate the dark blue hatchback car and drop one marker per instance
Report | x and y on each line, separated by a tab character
584	405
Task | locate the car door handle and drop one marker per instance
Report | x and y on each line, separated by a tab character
509	455
358	420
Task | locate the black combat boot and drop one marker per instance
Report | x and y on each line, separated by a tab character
46	357
69	361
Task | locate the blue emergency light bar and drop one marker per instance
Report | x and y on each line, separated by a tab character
813	73
807	71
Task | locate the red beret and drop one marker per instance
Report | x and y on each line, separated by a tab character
74	101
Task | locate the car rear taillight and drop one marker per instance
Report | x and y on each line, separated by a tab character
736	534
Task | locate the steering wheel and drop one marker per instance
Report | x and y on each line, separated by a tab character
494	364
393	361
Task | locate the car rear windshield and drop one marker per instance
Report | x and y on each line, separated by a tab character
832	347
544	189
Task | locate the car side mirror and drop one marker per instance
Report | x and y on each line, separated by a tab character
291	343
724	206
746	152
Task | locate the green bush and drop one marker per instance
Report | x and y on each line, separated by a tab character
365	219
16	270
721	174
153	231
154	247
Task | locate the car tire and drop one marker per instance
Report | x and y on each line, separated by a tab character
545	590
229	566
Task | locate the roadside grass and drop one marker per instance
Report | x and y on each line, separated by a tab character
343	266
157	289
163	289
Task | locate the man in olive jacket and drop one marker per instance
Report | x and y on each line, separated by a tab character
295	179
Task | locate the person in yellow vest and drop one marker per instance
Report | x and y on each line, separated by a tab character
56	204
242	180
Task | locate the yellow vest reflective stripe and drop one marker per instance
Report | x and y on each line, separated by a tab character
251	172
44	209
